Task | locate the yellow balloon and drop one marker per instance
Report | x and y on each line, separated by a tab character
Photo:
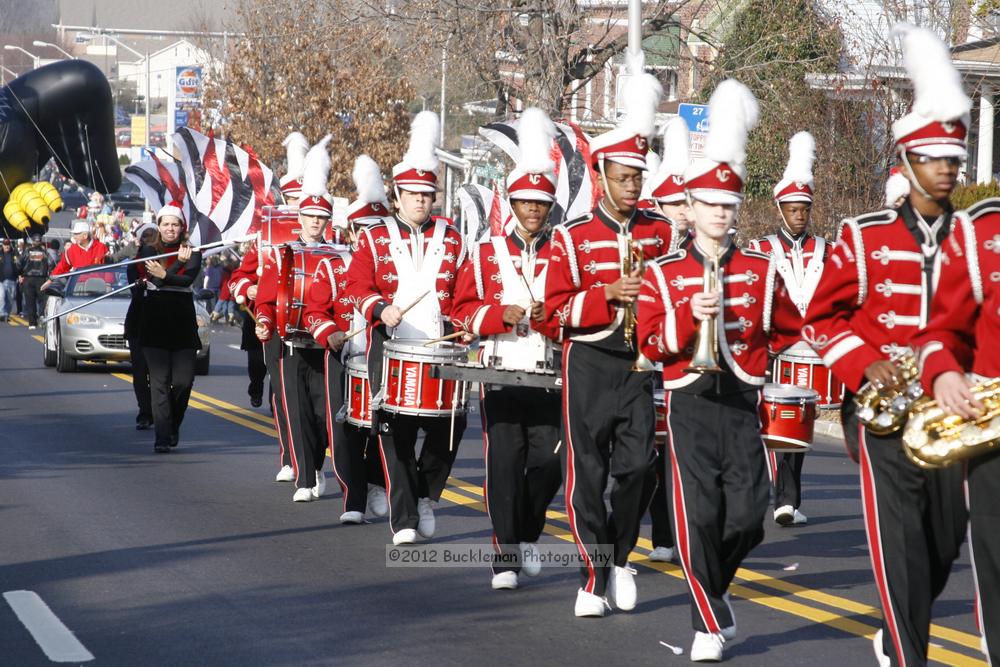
15	216
50	195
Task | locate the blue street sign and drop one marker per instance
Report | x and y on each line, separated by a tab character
695	115
180	119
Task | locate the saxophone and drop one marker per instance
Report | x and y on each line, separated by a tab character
935	438
884	411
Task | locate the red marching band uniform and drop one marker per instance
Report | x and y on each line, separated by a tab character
412	267
520	424
872	302
799	260
608	420
964	324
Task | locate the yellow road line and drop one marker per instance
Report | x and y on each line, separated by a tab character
235	408
844	604
18	321
822	616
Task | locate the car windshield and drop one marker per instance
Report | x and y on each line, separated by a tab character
99	283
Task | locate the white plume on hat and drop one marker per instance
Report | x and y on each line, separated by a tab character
937	86
425	132
535	132
296	147
896	186
368	180
676	148
801	157
652	171
732	113
640	97
316	169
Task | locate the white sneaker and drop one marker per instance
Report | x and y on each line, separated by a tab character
504	581
729	633
707	647
352	517
880	657
800	518
303	496
621	588
320	487
426	525
530	564
405	536
286	474
377	503
784	515
589	605
662	555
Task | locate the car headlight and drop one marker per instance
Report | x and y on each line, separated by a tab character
202	322
79	319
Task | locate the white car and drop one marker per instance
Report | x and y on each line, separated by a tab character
97	332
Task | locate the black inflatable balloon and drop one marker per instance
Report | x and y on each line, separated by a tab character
63	110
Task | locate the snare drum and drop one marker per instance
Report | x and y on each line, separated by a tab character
787	416
298	271
407	385
660	404
801	366
357	393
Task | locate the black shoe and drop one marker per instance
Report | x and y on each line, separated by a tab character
256	401
143	424
161	448
174	439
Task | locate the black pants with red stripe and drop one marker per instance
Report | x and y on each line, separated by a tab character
304	382
916	521
608	424
659	505
347	443
523	471
272	356
984	517
720	494
788	479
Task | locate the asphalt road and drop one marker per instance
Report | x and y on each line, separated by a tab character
200	558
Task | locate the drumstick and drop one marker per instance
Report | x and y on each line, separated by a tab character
250	313
527	286
354	333
444	338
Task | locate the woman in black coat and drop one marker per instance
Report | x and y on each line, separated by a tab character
146	235
168	330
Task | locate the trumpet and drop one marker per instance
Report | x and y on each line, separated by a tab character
631	262
934	438
884	411
705	359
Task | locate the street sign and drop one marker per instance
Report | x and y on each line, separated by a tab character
180	119
696	117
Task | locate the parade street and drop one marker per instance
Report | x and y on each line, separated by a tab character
200	558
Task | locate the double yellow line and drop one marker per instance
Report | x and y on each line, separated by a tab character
844	614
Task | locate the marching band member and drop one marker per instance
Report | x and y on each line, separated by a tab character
873	299
300	361
499	298
799	257
963	325
410	262
168	329
667	184
720	484
329	315
669	198
243	286
608	417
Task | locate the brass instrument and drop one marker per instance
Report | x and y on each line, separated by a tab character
632	261
935	438
884	411
706	350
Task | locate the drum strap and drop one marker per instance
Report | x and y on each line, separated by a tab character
801	280
518	352
417	275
